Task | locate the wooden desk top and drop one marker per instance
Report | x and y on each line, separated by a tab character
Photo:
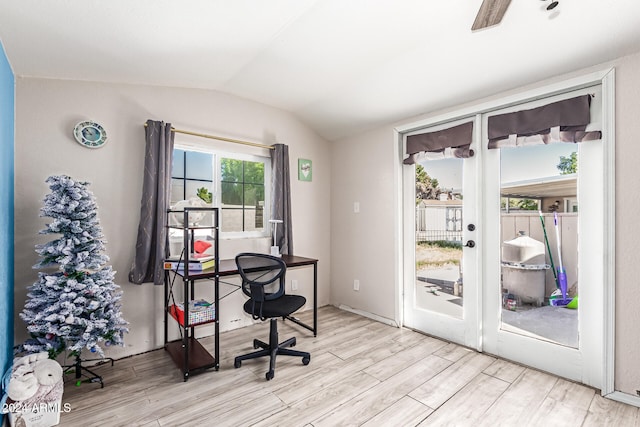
228	267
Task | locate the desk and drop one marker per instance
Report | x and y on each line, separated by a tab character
228	267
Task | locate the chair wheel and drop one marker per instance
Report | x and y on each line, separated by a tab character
306	360
255	344
269	375
293	343
237	364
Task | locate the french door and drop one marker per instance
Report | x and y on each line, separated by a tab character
483	253
442	292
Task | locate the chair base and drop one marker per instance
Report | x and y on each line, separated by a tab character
272	349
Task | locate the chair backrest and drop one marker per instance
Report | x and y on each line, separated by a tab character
263	276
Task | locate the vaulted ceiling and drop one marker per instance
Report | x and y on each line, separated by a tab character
341	66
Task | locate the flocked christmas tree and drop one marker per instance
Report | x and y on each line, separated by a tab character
77	304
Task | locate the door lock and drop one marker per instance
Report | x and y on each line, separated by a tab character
470	244
471	227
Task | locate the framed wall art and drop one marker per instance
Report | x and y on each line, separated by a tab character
305	170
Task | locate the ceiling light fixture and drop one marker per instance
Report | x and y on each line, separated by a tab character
552	5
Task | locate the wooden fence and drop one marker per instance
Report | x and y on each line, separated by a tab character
444	223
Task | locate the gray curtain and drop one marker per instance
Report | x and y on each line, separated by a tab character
451	142
562	121
152	244
281	197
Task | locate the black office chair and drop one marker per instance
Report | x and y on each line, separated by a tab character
263	282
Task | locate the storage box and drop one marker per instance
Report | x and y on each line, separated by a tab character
44	414
200	311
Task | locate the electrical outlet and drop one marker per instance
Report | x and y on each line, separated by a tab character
356	285
294	285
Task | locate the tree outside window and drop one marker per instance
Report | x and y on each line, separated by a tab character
242	195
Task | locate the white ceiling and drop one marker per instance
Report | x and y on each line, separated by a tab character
342	66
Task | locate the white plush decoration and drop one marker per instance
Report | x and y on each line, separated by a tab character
22	387
47	371
32	376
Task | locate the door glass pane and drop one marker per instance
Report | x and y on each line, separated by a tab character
439	285
539	240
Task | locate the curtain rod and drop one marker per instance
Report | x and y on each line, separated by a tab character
221	138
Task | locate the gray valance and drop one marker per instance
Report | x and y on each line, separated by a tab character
451	142
562	121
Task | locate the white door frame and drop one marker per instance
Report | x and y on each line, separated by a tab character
605	336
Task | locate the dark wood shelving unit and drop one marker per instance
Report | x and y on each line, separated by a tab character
199	358
187	352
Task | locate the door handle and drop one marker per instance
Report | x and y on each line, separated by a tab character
470	244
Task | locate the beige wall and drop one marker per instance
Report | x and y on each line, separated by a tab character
47	110
362	245
627	226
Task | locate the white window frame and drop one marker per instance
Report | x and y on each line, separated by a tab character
217	186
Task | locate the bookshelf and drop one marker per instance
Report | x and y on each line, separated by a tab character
198	226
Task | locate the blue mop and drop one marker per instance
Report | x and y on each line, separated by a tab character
562	273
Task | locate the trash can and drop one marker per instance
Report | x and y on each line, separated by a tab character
523	269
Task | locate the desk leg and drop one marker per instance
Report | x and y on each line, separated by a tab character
313	329
315	299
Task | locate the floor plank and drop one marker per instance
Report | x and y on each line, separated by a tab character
439	389
467	407
361	373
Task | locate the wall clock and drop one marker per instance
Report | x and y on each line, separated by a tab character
90	134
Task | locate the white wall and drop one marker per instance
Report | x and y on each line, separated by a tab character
47	110
627	360
362	245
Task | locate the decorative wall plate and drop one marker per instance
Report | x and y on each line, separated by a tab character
90	134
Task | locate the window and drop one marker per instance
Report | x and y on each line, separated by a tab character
242	194
236	183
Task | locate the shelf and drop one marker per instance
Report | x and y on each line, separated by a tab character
199	357
183	282
180	318
194	274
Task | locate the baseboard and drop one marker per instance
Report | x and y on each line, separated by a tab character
369	315
629	399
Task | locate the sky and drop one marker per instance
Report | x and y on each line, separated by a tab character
517	164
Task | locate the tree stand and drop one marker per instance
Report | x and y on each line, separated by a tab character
79	369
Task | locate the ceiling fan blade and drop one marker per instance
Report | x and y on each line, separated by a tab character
490	13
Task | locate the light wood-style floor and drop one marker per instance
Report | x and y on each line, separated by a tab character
361	373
